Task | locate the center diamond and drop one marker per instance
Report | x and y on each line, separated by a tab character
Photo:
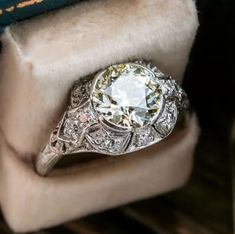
127	95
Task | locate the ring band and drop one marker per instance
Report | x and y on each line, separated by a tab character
125	108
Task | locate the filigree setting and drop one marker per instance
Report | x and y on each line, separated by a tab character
82	128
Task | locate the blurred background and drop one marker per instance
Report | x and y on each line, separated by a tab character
205	204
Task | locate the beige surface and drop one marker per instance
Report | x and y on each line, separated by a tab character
40	60
30	202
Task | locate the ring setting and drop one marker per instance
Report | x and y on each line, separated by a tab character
125	108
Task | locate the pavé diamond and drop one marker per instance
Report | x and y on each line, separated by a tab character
128	95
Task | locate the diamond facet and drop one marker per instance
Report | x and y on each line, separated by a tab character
127	95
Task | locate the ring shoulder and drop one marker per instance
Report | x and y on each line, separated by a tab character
174	93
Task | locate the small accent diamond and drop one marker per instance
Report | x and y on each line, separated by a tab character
107	141
144	136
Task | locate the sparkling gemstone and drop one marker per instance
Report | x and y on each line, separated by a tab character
72	129
127	95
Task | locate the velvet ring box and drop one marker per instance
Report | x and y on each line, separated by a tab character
40	60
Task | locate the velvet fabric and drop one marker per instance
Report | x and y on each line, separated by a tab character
40	60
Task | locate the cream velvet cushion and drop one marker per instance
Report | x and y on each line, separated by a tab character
40	60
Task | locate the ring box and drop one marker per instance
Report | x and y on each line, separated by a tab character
40	60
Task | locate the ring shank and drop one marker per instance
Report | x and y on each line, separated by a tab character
46	160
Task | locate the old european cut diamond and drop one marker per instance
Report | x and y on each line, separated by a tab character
127	95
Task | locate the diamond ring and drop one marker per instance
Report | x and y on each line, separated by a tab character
126	107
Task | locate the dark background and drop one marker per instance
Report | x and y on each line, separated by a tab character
204	206
210	79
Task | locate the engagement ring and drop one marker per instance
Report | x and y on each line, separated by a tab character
124	108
